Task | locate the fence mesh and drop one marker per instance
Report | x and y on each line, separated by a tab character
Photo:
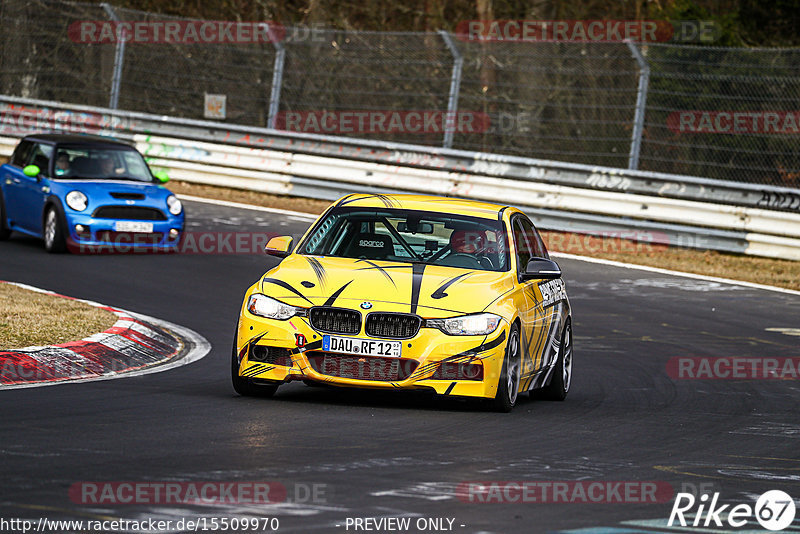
565	101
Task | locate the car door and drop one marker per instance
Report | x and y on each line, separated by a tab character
30	192
12	181
531	316
548	304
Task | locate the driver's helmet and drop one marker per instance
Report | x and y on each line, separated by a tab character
468	242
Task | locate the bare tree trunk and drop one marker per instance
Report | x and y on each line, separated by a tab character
485	11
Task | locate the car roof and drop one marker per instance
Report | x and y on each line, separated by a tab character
429	203
77	139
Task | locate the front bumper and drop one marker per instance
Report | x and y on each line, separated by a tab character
101	234
267	350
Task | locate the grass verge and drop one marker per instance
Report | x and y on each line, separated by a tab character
30	318
780	273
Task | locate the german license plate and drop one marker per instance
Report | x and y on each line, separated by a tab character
132	226
366	347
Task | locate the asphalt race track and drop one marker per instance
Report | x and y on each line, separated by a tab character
375	454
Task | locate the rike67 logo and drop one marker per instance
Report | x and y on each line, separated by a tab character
774	510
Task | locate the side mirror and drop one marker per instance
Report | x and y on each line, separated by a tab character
279	246
32	171
541	269
161	176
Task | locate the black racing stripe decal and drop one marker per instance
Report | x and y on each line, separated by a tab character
319	269
388	201
257	370
526	349
336	294
250	342
343	201
284	285
440	293
417	270
449	388
381	269
468	356
486	346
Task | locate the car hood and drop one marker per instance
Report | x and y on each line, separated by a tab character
103	187
428	290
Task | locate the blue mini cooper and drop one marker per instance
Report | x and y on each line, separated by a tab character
87	193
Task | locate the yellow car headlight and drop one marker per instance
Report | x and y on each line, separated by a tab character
264	306
478	324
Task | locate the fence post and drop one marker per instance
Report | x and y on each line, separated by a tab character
455	86
119	56
641	103
277	78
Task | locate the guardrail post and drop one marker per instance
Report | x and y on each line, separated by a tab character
277	78
119	56
455	86
641	103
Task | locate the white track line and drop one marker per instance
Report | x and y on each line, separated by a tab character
199	348
556	254
674	273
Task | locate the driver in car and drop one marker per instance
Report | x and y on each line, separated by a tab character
62	164
470	246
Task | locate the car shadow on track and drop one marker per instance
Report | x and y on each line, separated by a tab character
403	400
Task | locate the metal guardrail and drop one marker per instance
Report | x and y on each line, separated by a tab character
55	115
686	211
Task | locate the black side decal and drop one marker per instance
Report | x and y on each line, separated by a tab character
319	269
467	356
335	296
257	370
417	270
341	202
484	347
381	269
284	285
440	293
449	388
250	342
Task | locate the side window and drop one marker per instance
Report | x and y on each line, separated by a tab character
521	244
20	156
537	245
40	156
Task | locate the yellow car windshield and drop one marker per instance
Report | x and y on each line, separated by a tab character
410	236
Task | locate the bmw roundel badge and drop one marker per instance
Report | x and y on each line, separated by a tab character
366	305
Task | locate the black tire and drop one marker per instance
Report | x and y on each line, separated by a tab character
5	233
244	386
508	385
54	231
559	385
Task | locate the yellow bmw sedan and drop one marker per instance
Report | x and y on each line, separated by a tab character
410	292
